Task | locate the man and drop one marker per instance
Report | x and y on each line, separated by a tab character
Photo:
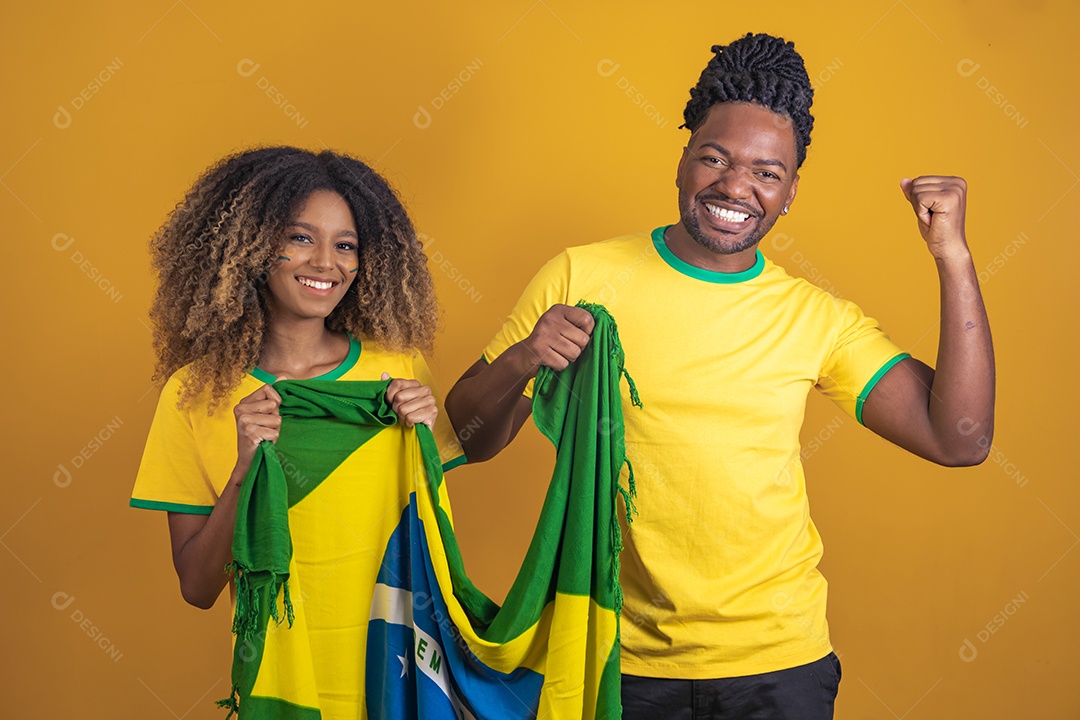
724	613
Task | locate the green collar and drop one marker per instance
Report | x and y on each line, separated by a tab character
344	367
697	273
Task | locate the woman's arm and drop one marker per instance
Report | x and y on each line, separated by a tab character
202	547
201	544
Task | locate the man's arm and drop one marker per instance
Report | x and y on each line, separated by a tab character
488	399
944	415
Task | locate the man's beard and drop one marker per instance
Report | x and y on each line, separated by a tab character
714	243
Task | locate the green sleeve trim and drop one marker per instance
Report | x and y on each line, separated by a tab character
874	381
711	276
456	462
346	365
172	507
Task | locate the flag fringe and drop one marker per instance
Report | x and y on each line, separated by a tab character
232	703
248	591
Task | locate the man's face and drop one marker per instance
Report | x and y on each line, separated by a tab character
736	175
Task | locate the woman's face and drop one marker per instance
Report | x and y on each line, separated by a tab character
317	261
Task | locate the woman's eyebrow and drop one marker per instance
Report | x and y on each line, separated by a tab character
311	228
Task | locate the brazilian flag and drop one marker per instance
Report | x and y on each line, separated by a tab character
436	646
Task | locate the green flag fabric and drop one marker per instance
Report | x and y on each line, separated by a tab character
436	646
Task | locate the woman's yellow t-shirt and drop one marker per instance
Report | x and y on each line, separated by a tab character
339	530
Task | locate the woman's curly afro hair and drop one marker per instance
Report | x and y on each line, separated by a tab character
219	245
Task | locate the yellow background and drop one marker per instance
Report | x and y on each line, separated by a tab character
540	147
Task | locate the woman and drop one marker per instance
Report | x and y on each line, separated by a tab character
281	263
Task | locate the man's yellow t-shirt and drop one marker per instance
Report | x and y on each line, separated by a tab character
719	571
339	529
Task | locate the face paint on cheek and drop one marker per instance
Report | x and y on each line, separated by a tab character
354	269
286	258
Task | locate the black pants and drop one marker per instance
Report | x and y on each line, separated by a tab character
806	692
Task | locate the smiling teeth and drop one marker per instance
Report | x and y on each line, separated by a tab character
725	214
316	284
